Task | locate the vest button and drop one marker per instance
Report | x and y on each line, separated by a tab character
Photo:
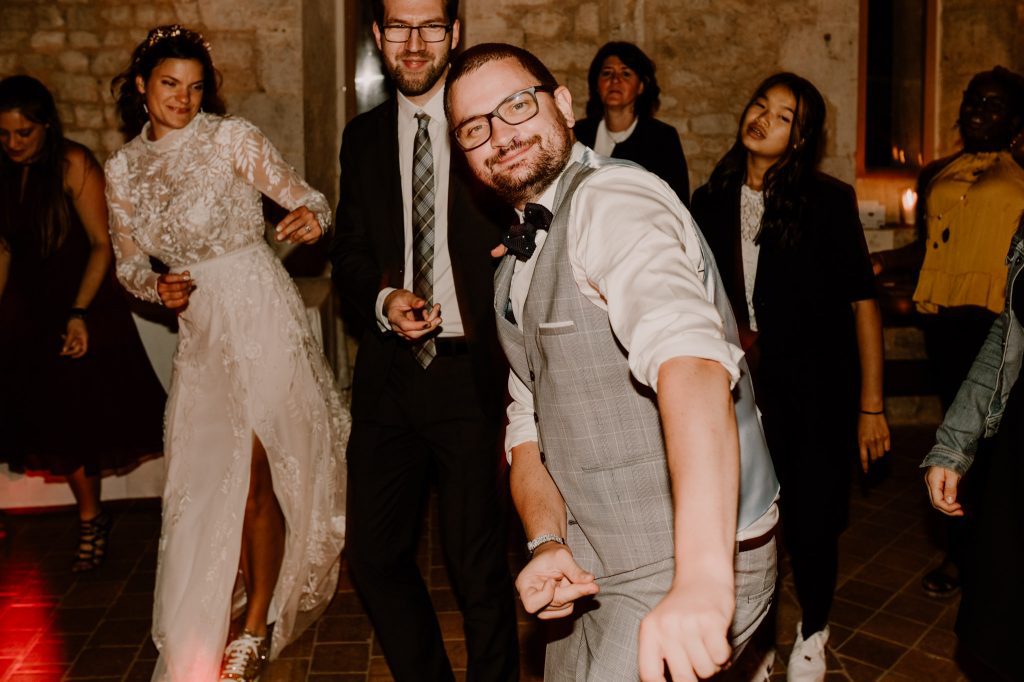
543	459
532	376
536	419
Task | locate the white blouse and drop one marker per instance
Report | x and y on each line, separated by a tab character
605	140
751	212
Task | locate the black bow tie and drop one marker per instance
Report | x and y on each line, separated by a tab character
521	238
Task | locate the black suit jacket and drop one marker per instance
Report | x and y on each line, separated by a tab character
802	293
654	145
367	254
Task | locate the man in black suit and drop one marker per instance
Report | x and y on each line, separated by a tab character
411	258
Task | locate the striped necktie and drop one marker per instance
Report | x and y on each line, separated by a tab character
423	228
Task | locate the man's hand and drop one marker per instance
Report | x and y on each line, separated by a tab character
942	485
174	289
688	630
552	581
409	316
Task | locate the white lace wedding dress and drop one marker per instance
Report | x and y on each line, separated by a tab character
247	364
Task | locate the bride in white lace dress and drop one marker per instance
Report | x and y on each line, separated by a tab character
255	429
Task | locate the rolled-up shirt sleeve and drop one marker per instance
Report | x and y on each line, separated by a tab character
634	251
522	428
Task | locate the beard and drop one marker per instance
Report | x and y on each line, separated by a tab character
414	85
515	188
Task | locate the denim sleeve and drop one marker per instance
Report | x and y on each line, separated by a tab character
957	437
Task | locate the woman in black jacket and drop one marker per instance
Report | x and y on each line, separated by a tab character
791	252
624	96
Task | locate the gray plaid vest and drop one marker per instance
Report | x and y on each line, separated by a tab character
598	428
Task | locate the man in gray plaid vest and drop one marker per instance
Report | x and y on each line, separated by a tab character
639	467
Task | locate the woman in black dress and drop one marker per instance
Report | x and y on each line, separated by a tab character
791	251
79	398
624	97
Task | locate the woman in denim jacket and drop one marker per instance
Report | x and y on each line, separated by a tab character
990	403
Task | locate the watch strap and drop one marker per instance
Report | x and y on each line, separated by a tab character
533	544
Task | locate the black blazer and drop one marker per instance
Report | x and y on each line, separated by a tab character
367	254
802	293
654	145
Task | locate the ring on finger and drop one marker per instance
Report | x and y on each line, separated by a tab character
309	228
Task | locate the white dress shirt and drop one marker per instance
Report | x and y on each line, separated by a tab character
634	252
444	281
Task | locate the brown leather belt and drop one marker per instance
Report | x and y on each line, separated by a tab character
750	544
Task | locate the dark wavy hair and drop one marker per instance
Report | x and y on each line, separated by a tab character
451	11
44	194
163	42
785	183
648	101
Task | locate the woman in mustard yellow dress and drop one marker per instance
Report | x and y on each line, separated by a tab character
970	204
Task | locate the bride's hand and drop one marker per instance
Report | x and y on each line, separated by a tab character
300	227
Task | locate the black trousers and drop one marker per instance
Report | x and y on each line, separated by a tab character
811	433
430	425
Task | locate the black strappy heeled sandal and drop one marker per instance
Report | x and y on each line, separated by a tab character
92	542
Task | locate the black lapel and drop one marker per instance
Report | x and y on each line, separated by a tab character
736	283
391	175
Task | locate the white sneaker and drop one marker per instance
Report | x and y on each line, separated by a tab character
807	662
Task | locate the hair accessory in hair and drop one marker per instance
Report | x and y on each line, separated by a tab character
162	33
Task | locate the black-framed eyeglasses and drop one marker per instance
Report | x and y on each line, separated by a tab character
429	33
519	107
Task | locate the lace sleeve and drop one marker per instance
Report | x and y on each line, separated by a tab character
257	160
132	268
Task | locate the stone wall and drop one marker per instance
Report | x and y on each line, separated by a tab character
279	60
976	35
77	46
710	55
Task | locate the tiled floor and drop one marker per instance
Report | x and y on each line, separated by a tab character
55	626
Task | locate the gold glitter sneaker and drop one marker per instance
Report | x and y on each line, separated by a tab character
244	658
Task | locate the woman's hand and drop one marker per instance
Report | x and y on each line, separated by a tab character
174	289
76	339
300	227
877	264
873	438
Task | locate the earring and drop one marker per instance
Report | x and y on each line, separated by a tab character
145	108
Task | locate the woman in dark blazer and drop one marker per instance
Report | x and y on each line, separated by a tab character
624	96
791	251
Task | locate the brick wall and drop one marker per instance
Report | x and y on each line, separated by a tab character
710	56
77	46
277	57
976	36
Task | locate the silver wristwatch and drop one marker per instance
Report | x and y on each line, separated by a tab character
541	539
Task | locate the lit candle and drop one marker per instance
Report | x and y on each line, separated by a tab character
908	202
